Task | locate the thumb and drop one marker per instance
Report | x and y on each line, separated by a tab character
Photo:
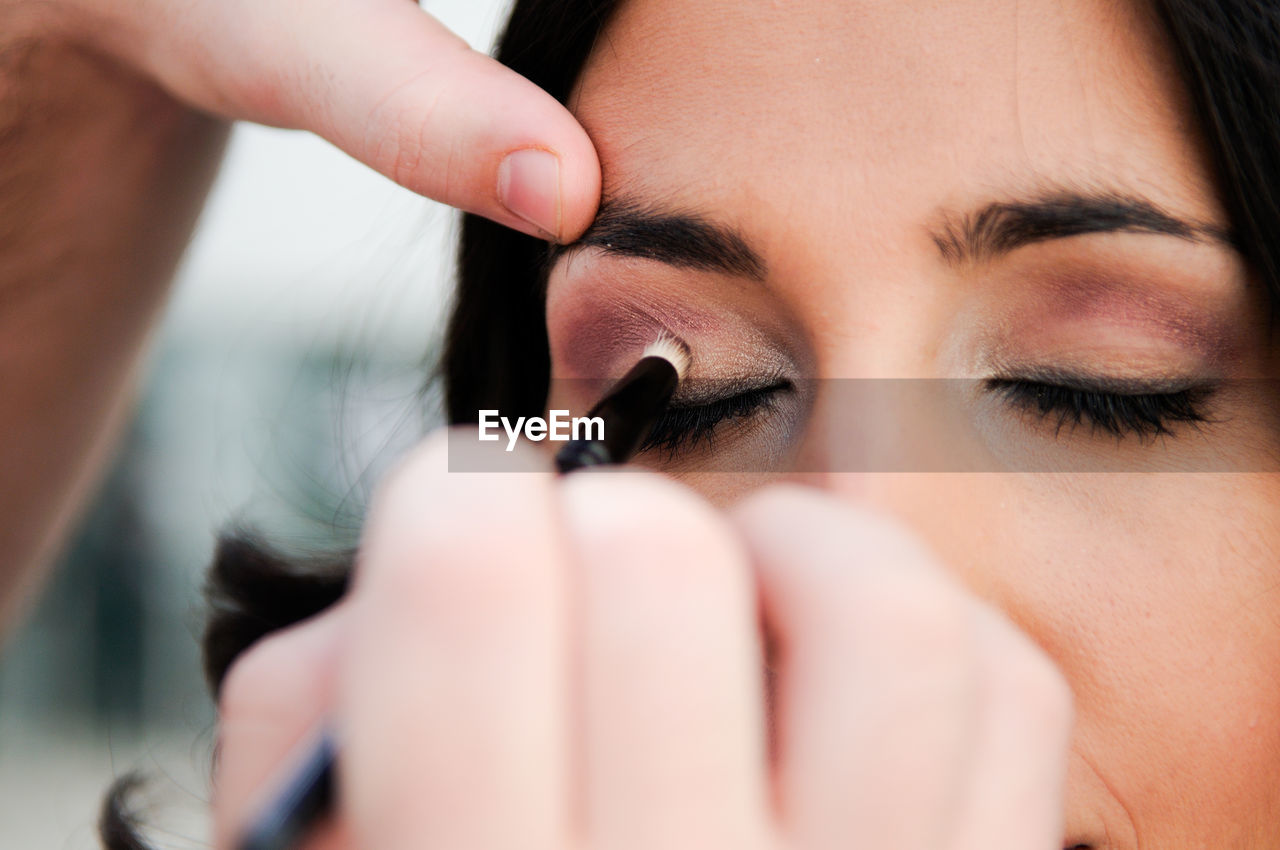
394	88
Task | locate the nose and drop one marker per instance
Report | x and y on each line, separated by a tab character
890	425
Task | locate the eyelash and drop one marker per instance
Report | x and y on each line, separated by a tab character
685	426
1141	414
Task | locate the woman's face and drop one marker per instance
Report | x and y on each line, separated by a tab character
912	199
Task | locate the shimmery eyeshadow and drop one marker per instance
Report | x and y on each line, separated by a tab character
1102	299
600	325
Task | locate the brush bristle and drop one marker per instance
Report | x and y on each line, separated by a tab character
674	351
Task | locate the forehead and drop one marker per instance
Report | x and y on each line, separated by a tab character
844	108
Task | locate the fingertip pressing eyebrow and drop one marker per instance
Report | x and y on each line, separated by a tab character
627	227
1003	226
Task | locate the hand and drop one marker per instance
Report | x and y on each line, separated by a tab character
379	78
545	663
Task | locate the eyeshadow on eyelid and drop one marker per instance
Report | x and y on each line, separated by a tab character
589	339
595	342
592	338
1210	331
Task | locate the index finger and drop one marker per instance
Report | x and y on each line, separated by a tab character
393	87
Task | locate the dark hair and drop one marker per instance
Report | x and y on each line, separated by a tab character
496	351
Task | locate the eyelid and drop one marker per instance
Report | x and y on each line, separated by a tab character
1120	385
696	392
605	313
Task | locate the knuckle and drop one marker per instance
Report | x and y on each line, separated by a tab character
438	580
257	681
404	124
784	507
475	541
407	484
1024	677
421	509
773	500
256	93
243	77
397	142
681	544
924	619
868	541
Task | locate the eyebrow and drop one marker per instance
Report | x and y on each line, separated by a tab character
678	238
627	227
1003	226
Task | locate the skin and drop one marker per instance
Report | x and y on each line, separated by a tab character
1155	594
87	251
593	673
543	661
588	680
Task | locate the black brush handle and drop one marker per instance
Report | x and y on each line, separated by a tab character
629	411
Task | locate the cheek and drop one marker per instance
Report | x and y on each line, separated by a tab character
1188	703
1159	597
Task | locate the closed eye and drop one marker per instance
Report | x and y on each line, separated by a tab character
685	426
1122	409
1141	412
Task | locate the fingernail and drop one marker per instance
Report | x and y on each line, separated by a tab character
529	186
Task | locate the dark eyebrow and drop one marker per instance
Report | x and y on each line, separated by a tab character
677	238
1002	226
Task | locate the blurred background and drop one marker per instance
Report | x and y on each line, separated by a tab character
290	370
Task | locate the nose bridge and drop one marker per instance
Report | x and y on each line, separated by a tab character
898	445
874	425
886	393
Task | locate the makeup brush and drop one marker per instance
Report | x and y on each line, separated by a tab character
629	410
300	802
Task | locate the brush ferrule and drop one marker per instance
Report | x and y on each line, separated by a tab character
629	411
